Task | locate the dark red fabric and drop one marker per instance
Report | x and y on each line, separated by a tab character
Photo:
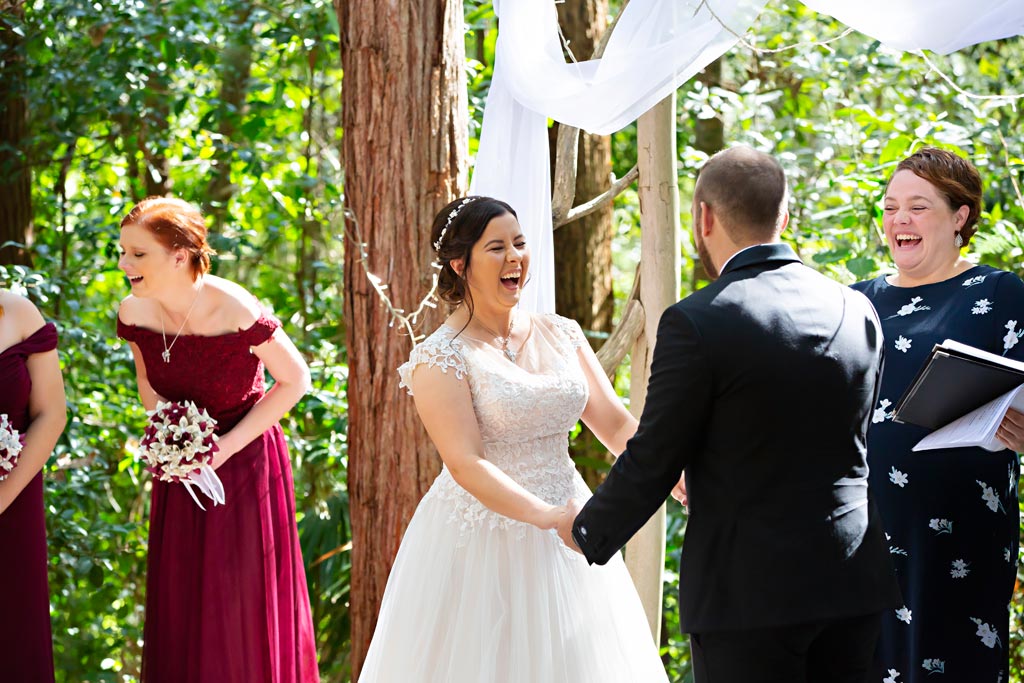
26	648
226	596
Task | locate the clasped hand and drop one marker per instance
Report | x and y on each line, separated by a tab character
564	516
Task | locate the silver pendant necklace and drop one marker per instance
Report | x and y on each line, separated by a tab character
504	341
166	355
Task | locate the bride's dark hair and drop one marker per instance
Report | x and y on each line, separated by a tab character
454	237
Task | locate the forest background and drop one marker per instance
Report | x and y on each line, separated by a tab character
238	107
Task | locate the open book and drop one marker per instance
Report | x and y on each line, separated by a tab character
963	393
976	428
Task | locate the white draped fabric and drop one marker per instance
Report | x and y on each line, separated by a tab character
656	46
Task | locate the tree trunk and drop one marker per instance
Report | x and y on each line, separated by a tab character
583	248
659	288
15	174
405	154
235	67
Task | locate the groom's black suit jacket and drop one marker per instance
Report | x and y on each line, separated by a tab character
762	387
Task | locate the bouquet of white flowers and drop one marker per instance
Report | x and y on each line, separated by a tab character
178	446
10	446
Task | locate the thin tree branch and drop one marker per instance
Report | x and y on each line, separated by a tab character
599	201
625	334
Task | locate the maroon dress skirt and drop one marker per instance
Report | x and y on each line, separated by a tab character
226	596
26	647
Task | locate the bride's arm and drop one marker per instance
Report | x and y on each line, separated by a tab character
604	414
445	405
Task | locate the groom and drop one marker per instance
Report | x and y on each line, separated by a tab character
761	389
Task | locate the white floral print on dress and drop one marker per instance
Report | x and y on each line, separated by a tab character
981	307
893	675
1008	554
942	526
898	478
1012	336
988	494
988	635
905	615
903	344
880	414
934	666
895	549
971	281
912	307
959	569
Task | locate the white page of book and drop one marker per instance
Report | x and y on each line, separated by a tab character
976	428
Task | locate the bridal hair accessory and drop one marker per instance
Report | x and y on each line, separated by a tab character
10	446
166	354
178	446
447	224
958	241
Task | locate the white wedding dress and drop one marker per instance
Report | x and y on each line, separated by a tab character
475	597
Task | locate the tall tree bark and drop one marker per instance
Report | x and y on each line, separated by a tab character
405	154
583	248
15	174
235	68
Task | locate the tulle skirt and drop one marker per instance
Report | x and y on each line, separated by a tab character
505	604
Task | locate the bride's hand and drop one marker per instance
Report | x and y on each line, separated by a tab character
679	490
548	519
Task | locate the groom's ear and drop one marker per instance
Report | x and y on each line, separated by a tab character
706	219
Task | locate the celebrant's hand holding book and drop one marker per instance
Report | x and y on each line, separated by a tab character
964	394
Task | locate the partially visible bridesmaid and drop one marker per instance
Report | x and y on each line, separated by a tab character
32	397
226	596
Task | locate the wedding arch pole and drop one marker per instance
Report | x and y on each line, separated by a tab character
659	289
405	154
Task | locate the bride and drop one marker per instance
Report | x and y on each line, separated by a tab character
482	589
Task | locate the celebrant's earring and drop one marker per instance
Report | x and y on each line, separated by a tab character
958	241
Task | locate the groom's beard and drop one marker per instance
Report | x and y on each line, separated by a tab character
705	258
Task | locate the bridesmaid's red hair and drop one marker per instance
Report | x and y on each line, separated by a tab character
176	224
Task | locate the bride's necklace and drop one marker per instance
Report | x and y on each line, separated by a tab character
504	341
166	355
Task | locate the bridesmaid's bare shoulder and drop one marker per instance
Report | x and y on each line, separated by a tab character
233	303
132	311
20	313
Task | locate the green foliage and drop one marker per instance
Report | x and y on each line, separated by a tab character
130	98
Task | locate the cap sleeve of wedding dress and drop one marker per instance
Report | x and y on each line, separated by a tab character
567	327
439	350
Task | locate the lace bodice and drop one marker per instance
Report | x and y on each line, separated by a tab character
524	410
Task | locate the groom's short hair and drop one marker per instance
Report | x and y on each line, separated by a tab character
746	190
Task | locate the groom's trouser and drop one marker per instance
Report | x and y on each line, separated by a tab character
831	651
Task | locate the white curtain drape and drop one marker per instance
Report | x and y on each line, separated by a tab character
656	46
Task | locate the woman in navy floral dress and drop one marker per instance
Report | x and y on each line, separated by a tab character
951	515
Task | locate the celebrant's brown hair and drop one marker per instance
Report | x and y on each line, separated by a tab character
176	224
954	177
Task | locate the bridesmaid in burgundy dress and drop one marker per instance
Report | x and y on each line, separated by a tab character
226	597
33	400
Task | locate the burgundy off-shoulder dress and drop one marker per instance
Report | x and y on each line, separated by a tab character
226	596
26	648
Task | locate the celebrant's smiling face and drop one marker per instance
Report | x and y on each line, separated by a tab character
148	264
920	226
498	262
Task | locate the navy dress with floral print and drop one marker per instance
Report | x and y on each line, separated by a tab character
950	515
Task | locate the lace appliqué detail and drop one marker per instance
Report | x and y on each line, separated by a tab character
438	350
570	328
541	466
